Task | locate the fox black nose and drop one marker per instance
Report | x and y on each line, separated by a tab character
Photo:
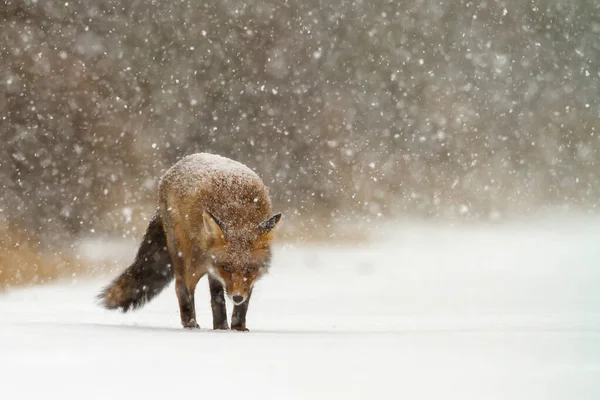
238	298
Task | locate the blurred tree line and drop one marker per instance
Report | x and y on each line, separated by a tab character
347	109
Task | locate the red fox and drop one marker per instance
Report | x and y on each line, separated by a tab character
213	218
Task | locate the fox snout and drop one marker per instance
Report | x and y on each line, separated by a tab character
237	285
238	299
238	288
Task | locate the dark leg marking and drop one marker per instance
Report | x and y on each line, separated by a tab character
217	303
238	318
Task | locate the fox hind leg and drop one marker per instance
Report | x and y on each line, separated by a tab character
186	276
185	296
186	304
238	318
186	289
217	303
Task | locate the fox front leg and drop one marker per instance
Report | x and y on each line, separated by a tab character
217	303
238	318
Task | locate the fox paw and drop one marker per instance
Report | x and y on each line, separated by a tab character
239	328
222	327
191	324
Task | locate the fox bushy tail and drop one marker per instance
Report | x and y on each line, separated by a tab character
146	277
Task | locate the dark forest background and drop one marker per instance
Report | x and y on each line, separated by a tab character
349	110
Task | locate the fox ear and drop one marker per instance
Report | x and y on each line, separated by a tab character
212	225
267	226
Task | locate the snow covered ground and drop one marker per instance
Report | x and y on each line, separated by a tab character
510	312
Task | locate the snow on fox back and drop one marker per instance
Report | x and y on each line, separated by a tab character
227	188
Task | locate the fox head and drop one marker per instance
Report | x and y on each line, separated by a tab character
238	258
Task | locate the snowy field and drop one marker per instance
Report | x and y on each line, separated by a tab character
509	312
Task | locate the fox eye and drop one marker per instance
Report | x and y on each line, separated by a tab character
250	269
226	268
